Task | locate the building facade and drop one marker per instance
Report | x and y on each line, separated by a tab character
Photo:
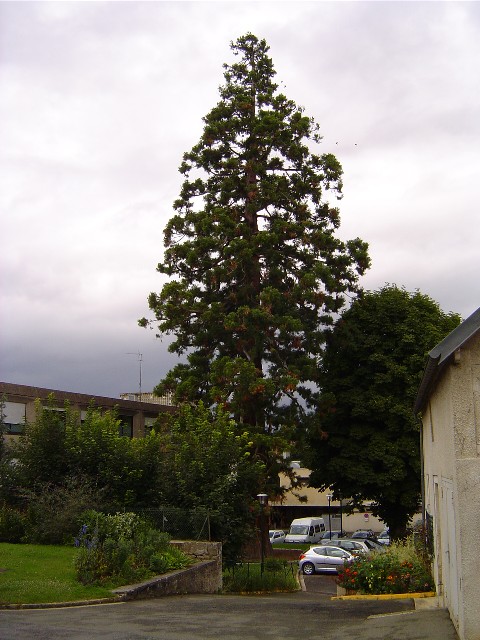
304	501
449	402
19	407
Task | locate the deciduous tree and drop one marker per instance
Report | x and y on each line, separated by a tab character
365	443
208	465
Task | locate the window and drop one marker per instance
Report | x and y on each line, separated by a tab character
126	426
149	424
321	551
299	529
14	417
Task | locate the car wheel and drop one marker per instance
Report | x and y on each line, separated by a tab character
308	569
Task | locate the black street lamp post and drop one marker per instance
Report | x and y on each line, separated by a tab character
329	498
262	499
341	516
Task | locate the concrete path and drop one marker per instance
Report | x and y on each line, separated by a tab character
308	615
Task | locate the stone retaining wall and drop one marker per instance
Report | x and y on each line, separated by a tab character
205	576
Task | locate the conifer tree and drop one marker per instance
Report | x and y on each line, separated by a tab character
256	270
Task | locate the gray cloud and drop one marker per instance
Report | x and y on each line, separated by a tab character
98	102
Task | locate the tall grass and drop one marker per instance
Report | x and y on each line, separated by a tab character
408	550
248	578
31	574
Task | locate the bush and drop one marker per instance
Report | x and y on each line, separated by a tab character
400	569
54	511
247	578
12	525
122	548
169	560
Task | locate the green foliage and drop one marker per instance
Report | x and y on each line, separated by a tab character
12	524
41	451
2	428
208	463
54	512
122	547
398	570
146	484
256	270
201	462
58	446
364	442
247	578
96	450
171	559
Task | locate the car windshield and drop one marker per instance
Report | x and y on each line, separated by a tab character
299	529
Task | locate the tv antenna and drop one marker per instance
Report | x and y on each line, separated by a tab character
140	358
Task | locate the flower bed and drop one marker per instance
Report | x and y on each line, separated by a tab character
393	571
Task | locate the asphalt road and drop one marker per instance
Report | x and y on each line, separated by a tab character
310	615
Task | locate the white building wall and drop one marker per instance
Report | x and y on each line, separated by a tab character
451	449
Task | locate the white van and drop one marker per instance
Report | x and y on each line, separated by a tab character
306	530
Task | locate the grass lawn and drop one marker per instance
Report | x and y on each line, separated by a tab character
31	574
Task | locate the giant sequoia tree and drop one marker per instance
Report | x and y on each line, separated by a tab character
366	442
256	270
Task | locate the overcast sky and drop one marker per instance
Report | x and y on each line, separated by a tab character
99	100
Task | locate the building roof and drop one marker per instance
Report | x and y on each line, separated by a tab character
19	391
440	355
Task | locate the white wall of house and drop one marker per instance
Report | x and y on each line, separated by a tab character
451	453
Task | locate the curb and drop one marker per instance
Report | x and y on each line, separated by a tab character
58	605
388	596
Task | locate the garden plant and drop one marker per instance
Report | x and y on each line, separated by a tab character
278	576
122	548
400	569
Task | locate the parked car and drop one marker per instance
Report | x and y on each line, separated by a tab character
324	558
365	534
357	546
384	537
276	536
329	535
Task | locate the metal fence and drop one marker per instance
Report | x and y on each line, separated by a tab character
180	524
248	577
271	566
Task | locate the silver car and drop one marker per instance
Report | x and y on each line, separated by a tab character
355	546
276	536
384	537
324	558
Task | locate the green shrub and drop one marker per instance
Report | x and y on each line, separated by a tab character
12	524
247	578
159	563
273	564
123	548
54	512
400	569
